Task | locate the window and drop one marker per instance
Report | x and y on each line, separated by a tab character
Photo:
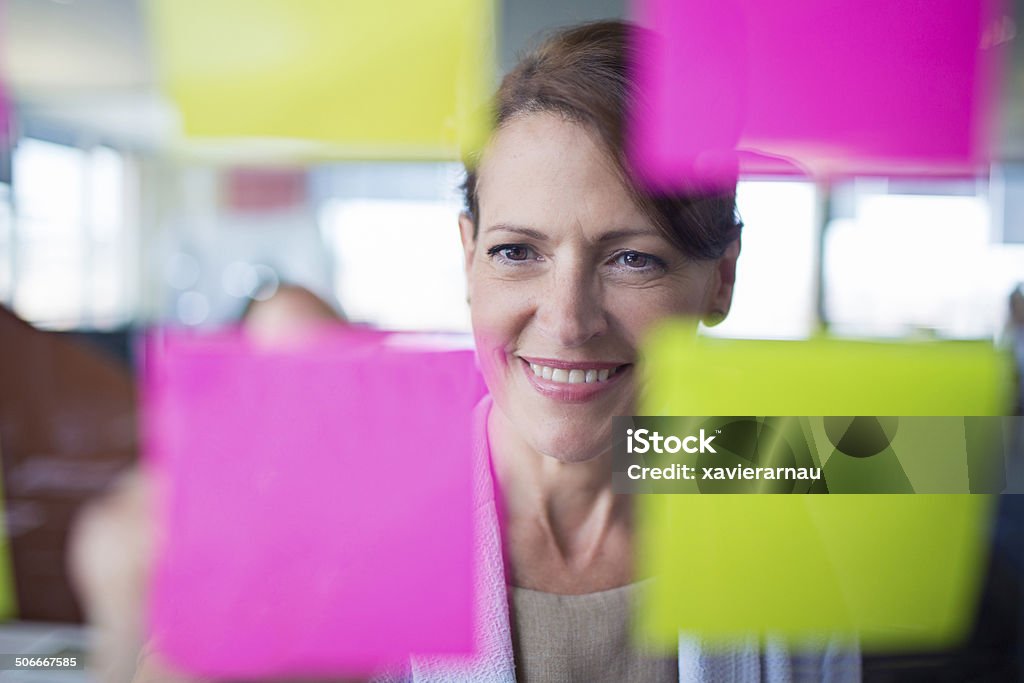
68	266
398	263
911	264
774	297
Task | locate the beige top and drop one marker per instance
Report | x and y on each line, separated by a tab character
568	638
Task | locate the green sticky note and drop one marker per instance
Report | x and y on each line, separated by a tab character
894	571
388	79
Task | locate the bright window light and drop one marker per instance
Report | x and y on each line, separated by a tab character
70	263
50	266
774	294
398	263
917	264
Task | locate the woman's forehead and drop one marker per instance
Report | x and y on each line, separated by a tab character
543	170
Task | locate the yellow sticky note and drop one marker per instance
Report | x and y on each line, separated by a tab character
388	79
893	571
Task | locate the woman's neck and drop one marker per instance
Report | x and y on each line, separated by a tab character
563	517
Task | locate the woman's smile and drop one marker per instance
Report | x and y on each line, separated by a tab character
573	381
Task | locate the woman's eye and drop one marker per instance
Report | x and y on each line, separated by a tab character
511	252
635	260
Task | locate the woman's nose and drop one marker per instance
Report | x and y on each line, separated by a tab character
572	312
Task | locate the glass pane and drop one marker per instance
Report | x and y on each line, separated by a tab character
49	182
106	200
107	298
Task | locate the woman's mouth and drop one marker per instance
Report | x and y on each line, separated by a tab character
573	382
575	375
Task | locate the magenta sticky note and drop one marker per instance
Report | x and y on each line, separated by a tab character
315	504
815	87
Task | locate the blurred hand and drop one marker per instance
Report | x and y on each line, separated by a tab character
110	550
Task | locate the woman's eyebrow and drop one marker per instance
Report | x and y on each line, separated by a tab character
528	232
609	236
613	235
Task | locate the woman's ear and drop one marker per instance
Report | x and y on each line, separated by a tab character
467	231
724	279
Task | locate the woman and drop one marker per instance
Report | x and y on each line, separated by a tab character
569	263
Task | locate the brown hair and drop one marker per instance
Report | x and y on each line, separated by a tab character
582	74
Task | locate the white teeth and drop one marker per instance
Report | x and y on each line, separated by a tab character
573	376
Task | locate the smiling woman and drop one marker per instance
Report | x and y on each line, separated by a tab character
566	274
569	260
569	263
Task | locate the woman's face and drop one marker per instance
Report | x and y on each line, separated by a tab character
565	277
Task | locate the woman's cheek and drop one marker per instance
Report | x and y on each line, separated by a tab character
639	310
492	331
491	354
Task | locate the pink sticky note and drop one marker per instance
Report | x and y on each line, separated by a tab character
818	87
316	504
